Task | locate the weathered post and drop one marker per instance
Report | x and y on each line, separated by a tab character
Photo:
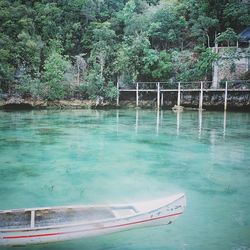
224	124
225	103
158	95
177	122
118	93
201	97
157	121
179	95
117	121
162	101
136	120
200	122
137	94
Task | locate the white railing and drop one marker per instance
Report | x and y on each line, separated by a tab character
199	86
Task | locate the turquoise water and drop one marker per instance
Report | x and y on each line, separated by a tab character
81	156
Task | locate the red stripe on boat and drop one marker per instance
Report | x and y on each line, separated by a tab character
142	221
31	236
78	231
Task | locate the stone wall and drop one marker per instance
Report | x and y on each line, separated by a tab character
237	100
212	100
233	64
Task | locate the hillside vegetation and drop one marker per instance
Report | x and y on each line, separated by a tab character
81	48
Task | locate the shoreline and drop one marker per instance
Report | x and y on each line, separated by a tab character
30	104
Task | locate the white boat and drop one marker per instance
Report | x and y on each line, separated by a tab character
51	224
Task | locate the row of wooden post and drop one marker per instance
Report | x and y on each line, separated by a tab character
160	97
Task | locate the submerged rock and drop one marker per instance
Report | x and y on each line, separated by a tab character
178	108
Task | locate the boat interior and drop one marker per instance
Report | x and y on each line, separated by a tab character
61	216
10	220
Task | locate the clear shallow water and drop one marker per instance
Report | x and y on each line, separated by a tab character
71	157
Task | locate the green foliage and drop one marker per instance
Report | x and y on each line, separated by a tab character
103	45
28	51
20	46
31	87
201	27
192	66
55	68
183	65
167	27
157	65
204	64
7	69
237	15
132	40
96	86
229	36
110	92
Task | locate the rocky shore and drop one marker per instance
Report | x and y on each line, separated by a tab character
211	101
28	103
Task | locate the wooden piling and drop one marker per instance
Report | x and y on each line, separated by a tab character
136	120
117	121
157	121
179	95
118	93
158	95
162	100
225	103
177	122
201	96
224	124
137	94
200	122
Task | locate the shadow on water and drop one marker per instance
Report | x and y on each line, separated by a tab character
17	107
153	142
13	173
5	127
50	132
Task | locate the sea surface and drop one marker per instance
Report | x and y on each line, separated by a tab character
117	156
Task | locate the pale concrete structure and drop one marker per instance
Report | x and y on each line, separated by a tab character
233	64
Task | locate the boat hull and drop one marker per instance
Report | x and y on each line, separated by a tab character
163	215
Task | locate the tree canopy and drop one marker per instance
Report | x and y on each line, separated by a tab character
132	40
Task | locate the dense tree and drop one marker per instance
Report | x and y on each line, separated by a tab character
157	66
167	27
228	36
236	15
53	77
109	41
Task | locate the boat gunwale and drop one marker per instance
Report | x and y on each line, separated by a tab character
110	220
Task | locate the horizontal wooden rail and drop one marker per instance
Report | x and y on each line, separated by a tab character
184	90
199	87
